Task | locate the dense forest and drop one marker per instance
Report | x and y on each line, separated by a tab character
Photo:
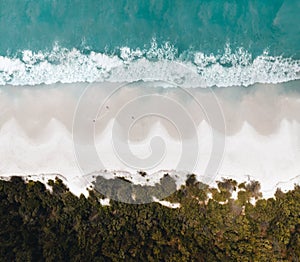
210	225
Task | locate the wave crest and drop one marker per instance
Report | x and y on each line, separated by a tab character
159	63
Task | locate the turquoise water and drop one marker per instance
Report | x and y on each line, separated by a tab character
205	33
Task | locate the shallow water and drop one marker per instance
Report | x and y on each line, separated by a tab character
203	26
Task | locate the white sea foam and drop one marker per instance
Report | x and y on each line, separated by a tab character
229	68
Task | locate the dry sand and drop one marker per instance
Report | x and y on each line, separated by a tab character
133	127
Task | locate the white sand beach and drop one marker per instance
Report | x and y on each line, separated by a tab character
45	130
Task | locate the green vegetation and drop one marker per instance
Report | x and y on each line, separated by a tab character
121	189
39	225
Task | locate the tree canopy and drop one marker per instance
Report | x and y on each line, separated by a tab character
39	225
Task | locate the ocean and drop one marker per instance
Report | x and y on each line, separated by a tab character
114	87
227	42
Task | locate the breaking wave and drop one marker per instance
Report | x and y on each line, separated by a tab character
159	63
